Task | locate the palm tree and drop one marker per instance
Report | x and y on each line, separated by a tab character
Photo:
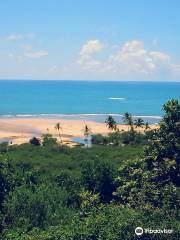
59	128
127	118
111	123
139	123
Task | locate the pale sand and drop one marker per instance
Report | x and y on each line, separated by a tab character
22	129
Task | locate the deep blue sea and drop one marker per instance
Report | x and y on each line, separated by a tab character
85	97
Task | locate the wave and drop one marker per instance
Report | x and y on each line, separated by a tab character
73	115
117	98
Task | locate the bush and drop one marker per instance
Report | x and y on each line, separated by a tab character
98	177
99	139
4	147
35	141
119	138
107	222
43	206
71	184
58	193
155	179
48	140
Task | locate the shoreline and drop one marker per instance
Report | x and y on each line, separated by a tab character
20	130
74	114
94	117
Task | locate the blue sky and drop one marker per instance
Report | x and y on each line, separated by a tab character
90	40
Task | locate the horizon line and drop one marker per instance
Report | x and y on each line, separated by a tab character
93	80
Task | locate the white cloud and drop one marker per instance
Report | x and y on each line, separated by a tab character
159	56
91	47
132	57
90	64
130	60
36	54
14	37
87	52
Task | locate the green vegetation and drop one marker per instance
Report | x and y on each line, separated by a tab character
139	123
111	123
126	180
35	141
128	120
121	138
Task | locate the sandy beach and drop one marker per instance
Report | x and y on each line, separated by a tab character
20	130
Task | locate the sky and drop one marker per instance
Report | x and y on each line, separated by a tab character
90	40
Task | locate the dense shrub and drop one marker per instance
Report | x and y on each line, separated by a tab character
109	222
98	177
99	139
155	179
53	192
49	141
120	138
43	206
4	147
35	141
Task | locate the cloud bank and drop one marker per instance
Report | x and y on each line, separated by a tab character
94	60
90	47
129	60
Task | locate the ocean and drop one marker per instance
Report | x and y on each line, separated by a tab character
91	100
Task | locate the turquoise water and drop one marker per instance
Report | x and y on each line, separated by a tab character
85	97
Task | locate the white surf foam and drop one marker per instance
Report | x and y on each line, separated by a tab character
117	98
